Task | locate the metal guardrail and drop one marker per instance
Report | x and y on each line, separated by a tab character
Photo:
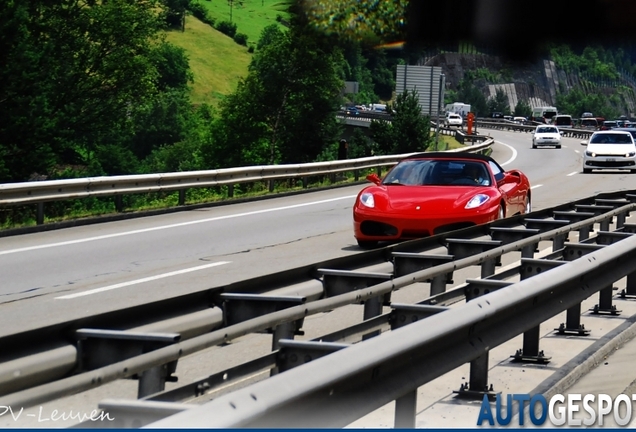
337	389
312	289
508	125
40	192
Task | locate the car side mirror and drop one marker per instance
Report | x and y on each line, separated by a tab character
583	143
512	176
373	178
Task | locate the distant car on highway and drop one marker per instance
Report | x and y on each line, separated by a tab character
453	119
612	149
352	111
609	124
431	193
546	135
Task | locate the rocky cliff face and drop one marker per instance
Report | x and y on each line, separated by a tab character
525	82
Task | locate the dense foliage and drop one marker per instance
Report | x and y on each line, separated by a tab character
92	88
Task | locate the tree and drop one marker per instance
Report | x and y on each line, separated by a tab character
69	76
499	103
283	111
175	11
408	131
523	109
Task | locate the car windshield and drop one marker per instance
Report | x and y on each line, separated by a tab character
613	138
547	130
427	172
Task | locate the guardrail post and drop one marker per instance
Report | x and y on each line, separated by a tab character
530	351
271	185
615	203
119	204
511	235
98	347
297	353
461	248
305	182
407	262
282	331
477	385
597	210
572	323
230	191
340	281
630	283
574	217
356	174
182	197
405	411
604	305
39	218
153	380
544	225
401	315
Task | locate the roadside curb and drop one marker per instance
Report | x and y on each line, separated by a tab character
587	360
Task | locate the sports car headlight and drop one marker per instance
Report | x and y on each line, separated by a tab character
477	201
589	153
367	199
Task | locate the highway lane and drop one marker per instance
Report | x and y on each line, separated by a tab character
85	270
250	239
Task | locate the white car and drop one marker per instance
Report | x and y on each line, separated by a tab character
546	136
453	120
611	149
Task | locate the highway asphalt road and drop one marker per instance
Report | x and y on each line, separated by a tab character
86	270
81	271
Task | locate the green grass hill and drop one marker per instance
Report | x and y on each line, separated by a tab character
216	61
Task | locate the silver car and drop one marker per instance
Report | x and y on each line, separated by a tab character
546	136
612	149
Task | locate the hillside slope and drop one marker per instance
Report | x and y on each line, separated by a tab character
216	61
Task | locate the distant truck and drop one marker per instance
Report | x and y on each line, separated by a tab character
378	107
543	114
458	108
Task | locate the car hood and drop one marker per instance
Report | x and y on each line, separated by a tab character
433	199
611	149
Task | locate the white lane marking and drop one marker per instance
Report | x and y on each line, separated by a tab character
177	225
536	186
514	153
138	281
573	173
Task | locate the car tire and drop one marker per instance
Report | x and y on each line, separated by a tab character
502	212
367	244
632	171
533	145
586	170
559	146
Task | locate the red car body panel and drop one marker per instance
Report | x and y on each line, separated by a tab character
403	211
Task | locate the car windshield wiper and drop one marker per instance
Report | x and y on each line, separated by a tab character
393	184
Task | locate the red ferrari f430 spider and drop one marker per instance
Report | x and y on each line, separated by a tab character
432	193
